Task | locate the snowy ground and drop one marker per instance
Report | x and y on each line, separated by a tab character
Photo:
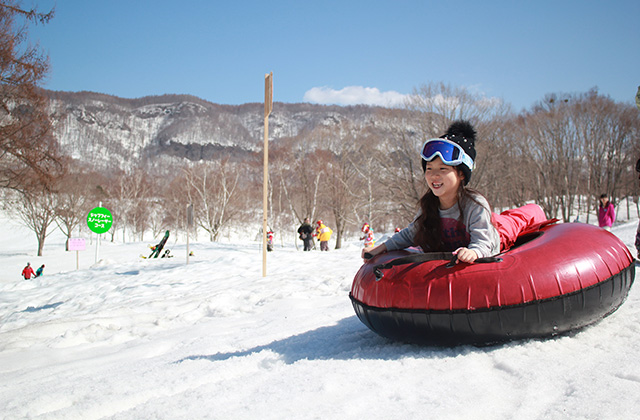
127	338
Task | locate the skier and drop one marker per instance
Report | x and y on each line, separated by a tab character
155	250
40	270
306	234
27	272
324	235
368	236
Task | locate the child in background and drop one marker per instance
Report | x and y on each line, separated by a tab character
270	240
368	236
324	235
453	217
606	213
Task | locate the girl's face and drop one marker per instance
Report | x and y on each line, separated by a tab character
444	181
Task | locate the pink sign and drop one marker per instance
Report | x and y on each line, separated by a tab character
76	244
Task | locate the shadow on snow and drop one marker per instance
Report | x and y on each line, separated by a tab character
347	340
43	307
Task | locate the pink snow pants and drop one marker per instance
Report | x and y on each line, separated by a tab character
511	222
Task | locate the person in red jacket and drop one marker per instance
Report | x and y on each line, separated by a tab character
27	272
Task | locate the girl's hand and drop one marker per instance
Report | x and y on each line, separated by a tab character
373	251
465	255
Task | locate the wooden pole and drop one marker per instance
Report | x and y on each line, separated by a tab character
98	239
189	223
268	105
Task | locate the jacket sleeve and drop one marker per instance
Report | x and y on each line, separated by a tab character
403	239
613	212
484	237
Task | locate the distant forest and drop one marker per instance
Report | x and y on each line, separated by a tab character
562	154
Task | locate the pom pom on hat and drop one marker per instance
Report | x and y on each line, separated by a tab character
462	133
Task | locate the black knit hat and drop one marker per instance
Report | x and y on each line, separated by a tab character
464	135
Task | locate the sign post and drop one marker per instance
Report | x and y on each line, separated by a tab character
268	105
99	221
77	244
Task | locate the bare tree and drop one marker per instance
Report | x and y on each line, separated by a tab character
127	194
573	146
401	174
339	194
73	203
441	104
297	168
607	132
212	190
37	210
26	143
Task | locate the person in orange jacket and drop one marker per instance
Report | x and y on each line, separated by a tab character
324	235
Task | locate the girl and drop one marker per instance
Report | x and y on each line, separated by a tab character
368	236
453	217
606	213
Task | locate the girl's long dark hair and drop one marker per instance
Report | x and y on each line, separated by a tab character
429	233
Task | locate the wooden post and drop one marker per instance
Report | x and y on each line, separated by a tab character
268	105
189	224
98	239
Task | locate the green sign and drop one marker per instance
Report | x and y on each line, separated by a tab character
99	220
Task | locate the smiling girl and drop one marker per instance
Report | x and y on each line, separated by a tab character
453	217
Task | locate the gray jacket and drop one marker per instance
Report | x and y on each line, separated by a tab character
475	231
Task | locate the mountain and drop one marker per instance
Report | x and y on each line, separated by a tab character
110	132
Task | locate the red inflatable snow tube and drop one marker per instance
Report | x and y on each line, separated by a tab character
555	280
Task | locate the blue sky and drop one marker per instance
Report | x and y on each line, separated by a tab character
342	51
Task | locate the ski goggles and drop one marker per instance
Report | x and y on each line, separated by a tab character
450	153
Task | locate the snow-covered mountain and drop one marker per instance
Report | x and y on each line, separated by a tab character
111	132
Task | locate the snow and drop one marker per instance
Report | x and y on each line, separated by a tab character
129	338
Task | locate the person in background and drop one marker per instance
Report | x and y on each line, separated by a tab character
638	171
368	239
27	272
269	240
606	213
324	235
40	270
306	234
